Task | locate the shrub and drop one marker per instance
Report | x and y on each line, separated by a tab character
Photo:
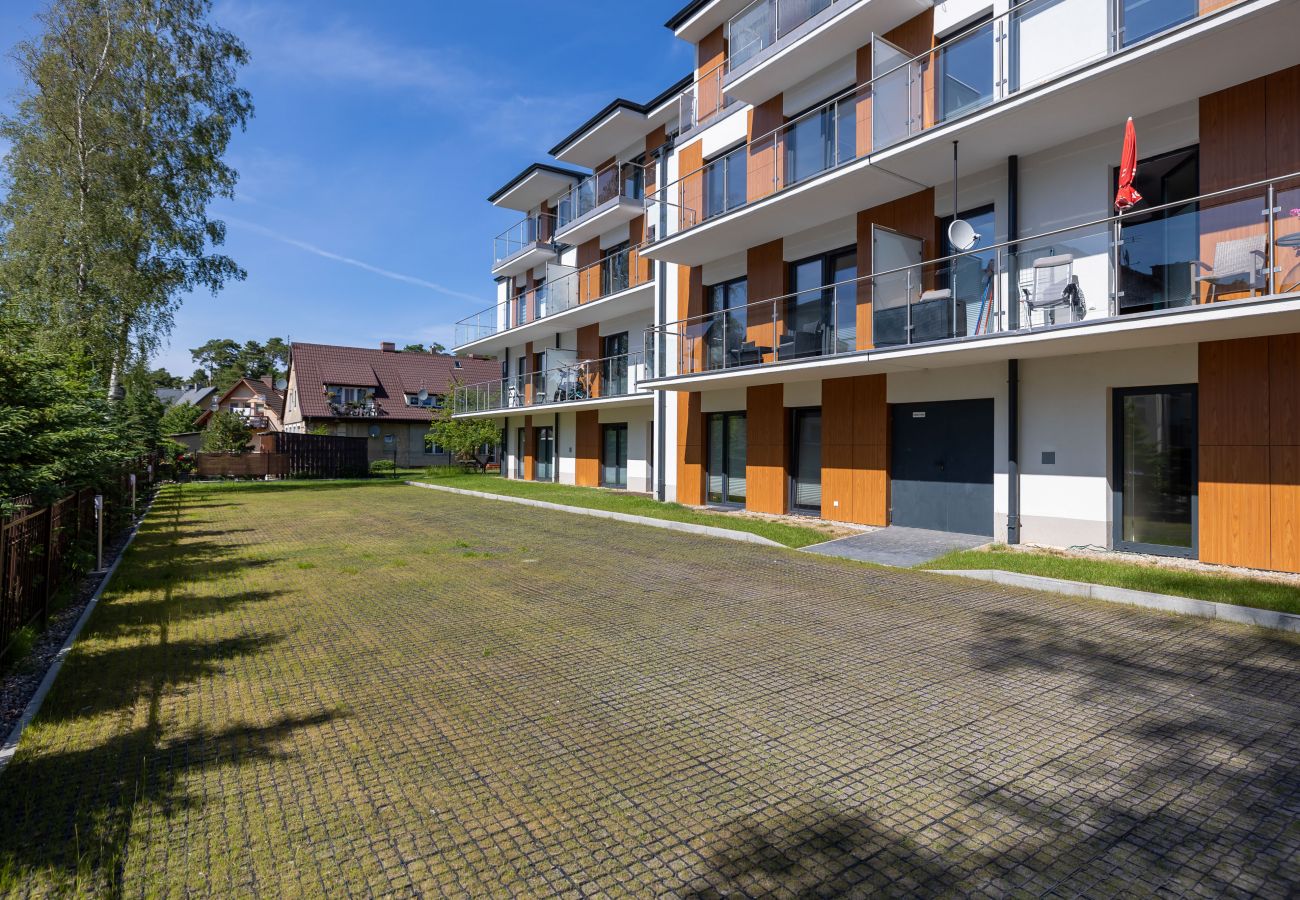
383	467
226	433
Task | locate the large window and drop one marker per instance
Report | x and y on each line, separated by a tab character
613	456
970	277
614	274
821	315
725	182
1158	259
1155	469
544	459
726	458
725	335
614	375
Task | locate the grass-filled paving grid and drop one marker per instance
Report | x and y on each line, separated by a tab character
334	690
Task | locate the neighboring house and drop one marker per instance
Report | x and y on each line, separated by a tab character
384	395
196	396
774	232
259	401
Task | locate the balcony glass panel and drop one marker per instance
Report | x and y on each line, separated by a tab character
965	67
1036	29
1143	18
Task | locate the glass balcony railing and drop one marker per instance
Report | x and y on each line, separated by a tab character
764	22
986	63
1232	245
704	100
523	235
575	382
625	181
564	289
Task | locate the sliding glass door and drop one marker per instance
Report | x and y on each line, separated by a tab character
613	456
544	461
1155	469
726	458
806	466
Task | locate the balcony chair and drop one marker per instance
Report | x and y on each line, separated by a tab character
1236	261
1053	287
807	341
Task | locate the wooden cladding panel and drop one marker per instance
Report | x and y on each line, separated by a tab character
690	448
767	278
710	53
764	162
690	302
1282	132
855	450
588	261
528	383
916	35
587	449
690	185
1249	495
1284	507
1234	392
862	111
1235	506
912	215
529	442
766	448
588	346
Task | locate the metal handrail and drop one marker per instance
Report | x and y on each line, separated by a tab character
775	32
586	195
633	258
528	225
581	380
1004	260
867	87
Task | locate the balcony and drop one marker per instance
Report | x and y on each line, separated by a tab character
612	196
1000	86
1216	266
569	298
774	44
524	245
580	384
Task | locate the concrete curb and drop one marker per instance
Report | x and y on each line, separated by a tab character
687	527
10	746
1205	609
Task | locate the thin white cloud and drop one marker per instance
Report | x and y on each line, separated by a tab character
351	261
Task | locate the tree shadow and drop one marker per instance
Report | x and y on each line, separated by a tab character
68	815
820	853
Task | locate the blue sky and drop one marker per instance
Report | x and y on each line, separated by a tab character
381	128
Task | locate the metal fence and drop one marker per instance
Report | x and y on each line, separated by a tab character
42	548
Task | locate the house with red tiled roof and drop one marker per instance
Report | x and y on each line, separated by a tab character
258	400
385	395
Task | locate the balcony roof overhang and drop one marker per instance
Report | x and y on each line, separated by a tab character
694	21
607	216
621	124
529	257
837	32
634	299
1159	74
637	399
1188	325
534	186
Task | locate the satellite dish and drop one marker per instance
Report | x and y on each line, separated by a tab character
423	395
961	235
374	431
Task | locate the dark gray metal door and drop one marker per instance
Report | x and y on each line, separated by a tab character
942	466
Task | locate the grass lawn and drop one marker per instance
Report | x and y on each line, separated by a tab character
632	504
1156	579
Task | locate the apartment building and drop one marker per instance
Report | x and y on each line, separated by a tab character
822	340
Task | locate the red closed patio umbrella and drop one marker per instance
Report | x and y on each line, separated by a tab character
1126	196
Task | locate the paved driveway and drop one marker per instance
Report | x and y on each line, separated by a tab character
384	690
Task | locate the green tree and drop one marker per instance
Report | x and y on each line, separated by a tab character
226	433
465	439
161	378
179	418
215	356
414	348
117	141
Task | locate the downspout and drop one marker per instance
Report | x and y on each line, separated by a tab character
661	317
1013	365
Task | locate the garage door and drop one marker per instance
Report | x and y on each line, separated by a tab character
942	466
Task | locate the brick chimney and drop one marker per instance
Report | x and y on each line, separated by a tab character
388	347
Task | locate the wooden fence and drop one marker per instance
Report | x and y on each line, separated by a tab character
323	456
43	547
284	455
